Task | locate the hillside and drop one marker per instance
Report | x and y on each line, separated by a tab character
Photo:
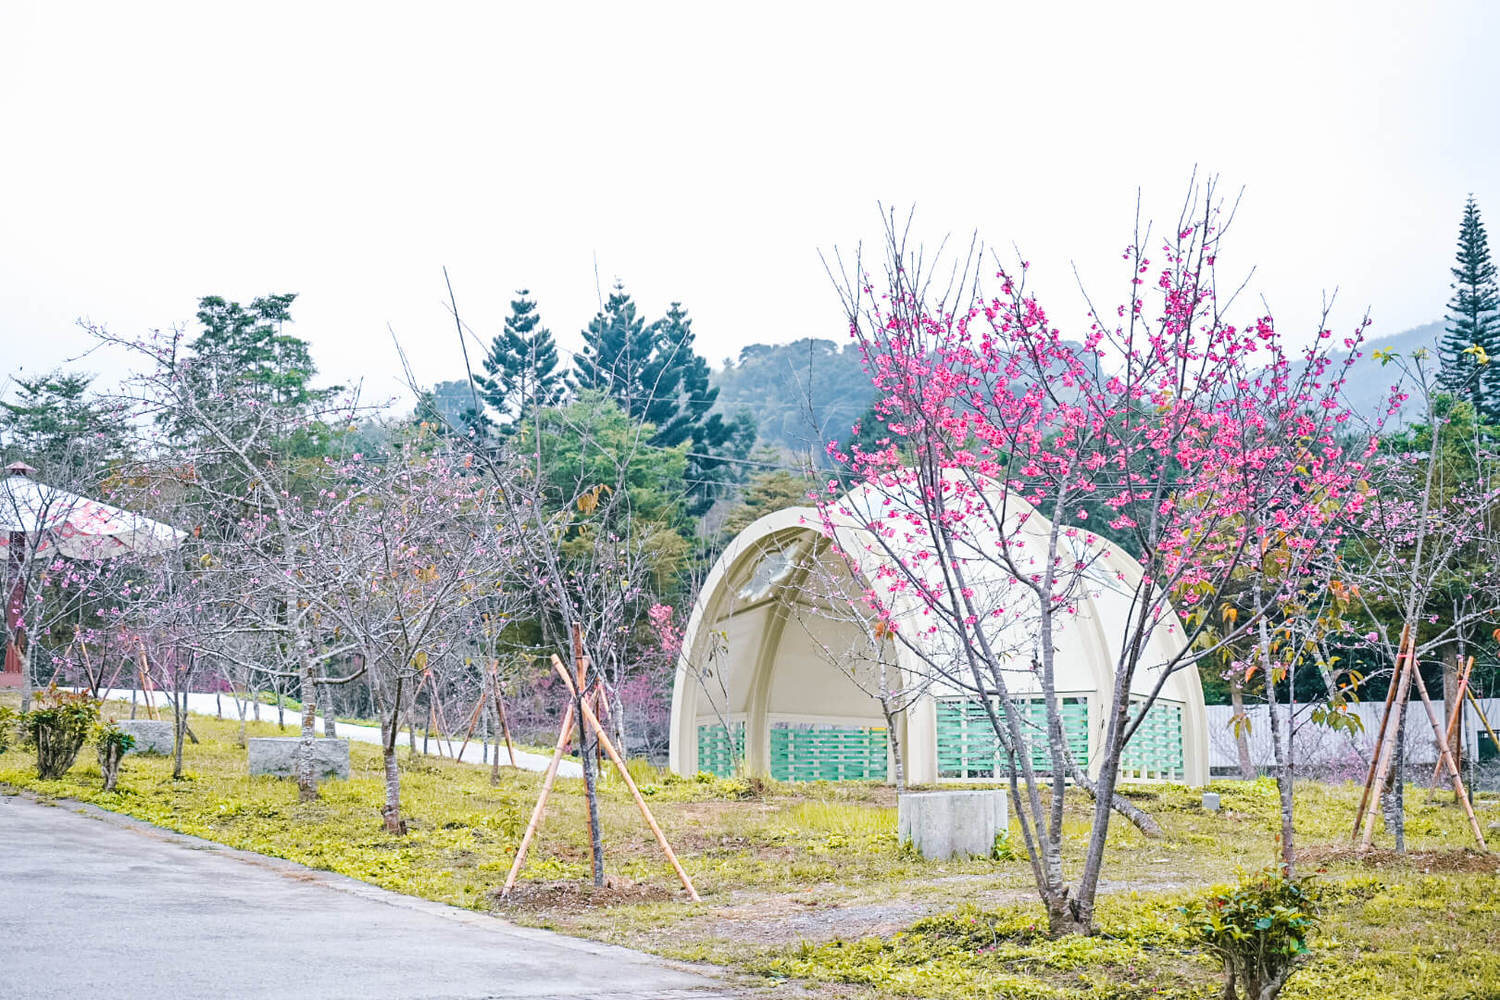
809	391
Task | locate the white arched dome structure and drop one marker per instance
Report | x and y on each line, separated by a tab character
780	675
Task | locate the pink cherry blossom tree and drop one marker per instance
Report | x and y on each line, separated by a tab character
1019	462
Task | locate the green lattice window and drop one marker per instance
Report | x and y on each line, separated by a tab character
808	752
1155	751
716	754
969	748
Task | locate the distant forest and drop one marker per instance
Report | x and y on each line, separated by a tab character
810	391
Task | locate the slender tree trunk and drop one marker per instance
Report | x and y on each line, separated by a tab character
1281	742
1393	802
307	778
1241	737
389	712
494	719
619	720
241	708
897	764
179	729
1452	665
587	750
330	725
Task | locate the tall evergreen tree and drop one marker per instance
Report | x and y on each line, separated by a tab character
1470	349
655	374
54	424
617	352
521	372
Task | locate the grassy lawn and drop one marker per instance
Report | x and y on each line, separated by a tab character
808	882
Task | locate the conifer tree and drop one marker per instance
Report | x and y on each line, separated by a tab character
1470	349
521	372
657	377
617	351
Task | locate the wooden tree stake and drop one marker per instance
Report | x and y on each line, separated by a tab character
619	762
1455	713
1446	759
1385	719
500	711
541	802
1391	731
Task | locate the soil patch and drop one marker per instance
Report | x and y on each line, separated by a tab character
576	897
1461	860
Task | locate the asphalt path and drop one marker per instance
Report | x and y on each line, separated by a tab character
93	904
209	704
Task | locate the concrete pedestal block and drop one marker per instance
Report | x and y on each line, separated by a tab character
956	824
151	735
278	755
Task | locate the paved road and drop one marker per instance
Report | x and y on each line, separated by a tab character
96	905
208	704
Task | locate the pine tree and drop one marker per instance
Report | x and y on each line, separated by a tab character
657	377
55	424
1470	350
617	352
521	372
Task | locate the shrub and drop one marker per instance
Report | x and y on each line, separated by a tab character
7	723
114	743
1258	928
58	729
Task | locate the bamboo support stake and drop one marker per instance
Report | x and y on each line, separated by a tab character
1447	758
1455	712
500	711
541	802
1386	752
473	722
640	802
1385	718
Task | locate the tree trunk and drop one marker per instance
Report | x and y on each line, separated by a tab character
587	750
1241	737
1280	743
242	740
179	731
330	725
1452	665
1393	802
307	778
897	764
391	811
494	719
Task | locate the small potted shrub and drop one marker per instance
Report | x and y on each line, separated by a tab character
58	729
114	743
1259	928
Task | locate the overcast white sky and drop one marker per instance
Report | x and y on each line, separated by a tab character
152	154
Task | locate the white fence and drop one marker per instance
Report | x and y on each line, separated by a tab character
1322	747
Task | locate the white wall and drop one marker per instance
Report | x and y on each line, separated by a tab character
1322	746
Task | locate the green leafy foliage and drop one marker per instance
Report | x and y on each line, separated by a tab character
8	718
1259	928
57	728
113	743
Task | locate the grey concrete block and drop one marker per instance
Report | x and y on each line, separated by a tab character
1211	801
278	755
151	735
953	824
